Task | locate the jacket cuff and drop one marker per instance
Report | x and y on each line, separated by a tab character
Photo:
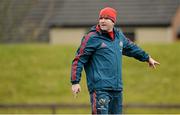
74	82
147	59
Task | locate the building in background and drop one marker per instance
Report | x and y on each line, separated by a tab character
141	20
66	21
26	21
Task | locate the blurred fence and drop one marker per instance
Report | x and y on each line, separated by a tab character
54	107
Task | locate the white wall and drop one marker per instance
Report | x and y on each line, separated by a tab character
153	34
73	36
176	24
66	35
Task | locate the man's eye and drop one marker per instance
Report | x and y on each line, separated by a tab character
106	18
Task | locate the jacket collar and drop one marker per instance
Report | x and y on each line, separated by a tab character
97	28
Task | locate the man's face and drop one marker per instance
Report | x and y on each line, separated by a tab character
106	24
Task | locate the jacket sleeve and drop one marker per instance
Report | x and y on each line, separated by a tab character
130	49
85	50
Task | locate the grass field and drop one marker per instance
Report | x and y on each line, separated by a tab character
40	73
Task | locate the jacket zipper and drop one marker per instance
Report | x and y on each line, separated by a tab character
116	69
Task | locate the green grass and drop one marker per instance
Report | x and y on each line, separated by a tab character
160	85
40	73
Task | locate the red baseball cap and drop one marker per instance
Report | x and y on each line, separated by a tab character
108	12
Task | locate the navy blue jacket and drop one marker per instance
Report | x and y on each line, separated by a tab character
101	58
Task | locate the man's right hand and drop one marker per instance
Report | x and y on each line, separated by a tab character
76	88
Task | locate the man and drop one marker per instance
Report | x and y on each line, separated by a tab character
100	53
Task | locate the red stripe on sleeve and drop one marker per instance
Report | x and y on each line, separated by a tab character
94	103
74	66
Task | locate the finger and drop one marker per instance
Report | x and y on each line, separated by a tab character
157	63
75	95
153	65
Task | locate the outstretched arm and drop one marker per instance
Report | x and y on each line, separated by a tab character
132	50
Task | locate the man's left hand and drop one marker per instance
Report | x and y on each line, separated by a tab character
153	63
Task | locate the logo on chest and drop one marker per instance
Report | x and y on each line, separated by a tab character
121	44
103	45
